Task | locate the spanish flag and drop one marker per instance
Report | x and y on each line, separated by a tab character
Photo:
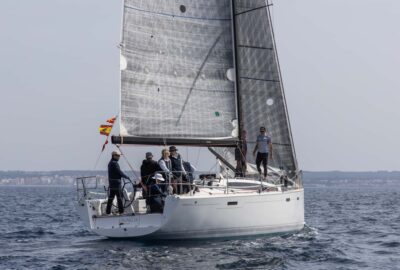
105	129
112	120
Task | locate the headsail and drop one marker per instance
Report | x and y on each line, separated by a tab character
176	60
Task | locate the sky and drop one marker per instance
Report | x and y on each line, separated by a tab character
59	80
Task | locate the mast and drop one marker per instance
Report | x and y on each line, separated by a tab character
237	85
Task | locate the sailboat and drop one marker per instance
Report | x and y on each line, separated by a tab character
204	73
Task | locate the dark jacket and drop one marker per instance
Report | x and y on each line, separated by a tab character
176	164
155	191
114	172
148	169
189	171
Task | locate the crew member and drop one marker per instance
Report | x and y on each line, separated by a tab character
264	147
147	170
240	156
114	179
166	167
178	170
156	194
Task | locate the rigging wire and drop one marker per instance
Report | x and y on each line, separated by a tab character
127	161
97	160
198	156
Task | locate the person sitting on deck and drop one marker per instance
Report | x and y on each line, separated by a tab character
156	194
147	170
114	179
178	170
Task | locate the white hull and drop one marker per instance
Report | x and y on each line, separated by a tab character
205	216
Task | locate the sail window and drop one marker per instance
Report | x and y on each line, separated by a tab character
123	64
182	8
230	74
270	102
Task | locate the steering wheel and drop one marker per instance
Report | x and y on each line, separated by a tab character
129	186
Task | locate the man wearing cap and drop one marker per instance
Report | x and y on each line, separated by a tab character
264	147
147	170
178	170
114	179
156	194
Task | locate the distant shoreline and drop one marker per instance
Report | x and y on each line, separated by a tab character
67	177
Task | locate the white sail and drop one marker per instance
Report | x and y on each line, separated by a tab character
175	83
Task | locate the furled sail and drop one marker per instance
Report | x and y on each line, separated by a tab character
177	65
260	89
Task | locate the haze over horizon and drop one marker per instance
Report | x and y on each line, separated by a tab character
59	81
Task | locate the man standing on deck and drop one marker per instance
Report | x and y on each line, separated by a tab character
178	170
114	179
240	156
264	147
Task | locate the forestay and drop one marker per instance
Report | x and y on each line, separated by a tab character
176	58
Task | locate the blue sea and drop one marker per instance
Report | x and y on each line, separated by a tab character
350	225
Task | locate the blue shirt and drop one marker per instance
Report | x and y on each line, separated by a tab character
263	142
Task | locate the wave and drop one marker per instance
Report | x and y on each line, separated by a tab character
28	233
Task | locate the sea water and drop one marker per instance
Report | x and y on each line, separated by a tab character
350	225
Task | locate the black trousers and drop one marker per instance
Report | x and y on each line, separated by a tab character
262	158
115	190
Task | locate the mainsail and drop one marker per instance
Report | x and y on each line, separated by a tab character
177	57
201	72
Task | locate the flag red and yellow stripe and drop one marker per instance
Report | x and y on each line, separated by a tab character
105	129
112	120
